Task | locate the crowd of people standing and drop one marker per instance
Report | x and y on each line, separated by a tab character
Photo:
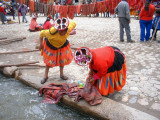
146	20
12	9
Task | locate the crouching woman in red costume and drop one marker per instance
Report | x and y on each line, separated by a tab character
34	26
107	68
55	47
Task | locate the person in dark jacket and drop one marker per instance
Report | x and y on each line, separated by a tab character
123	12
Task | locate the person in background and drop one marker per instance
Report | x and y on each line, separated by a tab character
12	12
55	47
158	5
2	13
107	67
47	24
154	24
146	16
34	25
123	12
107	13
23	10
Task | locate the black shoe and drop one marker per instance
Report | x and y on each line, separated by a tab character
130	41
121	40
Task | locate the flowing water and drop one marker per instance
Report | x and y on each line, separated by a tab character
20	102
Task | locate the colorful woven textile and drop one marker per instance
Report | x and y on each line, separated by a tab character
54	92
59	57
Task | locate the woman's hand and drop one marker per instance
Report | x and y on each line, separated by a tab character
91	81
41	44
41	47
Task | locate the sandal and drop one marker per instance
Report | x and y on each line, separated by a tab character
44	80
64	77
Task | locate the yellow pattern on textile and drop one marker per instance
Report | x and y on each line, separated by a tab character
56	40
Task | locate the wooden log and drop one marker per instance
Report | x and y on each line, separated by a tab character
15	52
3	38
12	40
74	48
21	64
35	65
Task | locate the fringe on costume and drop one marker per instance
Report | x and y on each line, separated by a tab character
115	78
56	57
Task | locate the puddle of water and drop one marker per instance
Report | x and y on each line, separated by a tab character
20	102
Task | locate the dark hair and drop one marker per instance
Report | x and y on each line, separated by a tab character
48	19
158	12
146	6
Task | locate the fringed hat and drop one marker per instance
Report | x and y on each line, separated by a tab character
61	23
82	56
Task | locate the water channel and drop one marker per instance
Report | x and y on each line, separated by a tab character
20	102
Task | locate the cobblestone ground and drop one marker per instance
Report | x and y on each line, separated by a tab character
142	89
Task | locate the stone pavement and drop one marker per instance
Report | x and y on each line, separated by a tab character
142	90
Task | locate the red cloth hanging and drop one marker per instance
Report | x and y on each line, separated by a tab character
69	1
32	5
103	6
85	9
50	9
53	10
78	9
97	10
92	8
110	8
63	9
71	11
57	8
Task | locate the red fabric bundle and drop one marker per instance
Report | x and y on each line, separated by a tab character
54	92
90	94
71	11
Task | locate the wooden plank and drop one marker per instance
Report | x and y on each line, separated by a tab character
16	52
21	64
3	38
14	39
